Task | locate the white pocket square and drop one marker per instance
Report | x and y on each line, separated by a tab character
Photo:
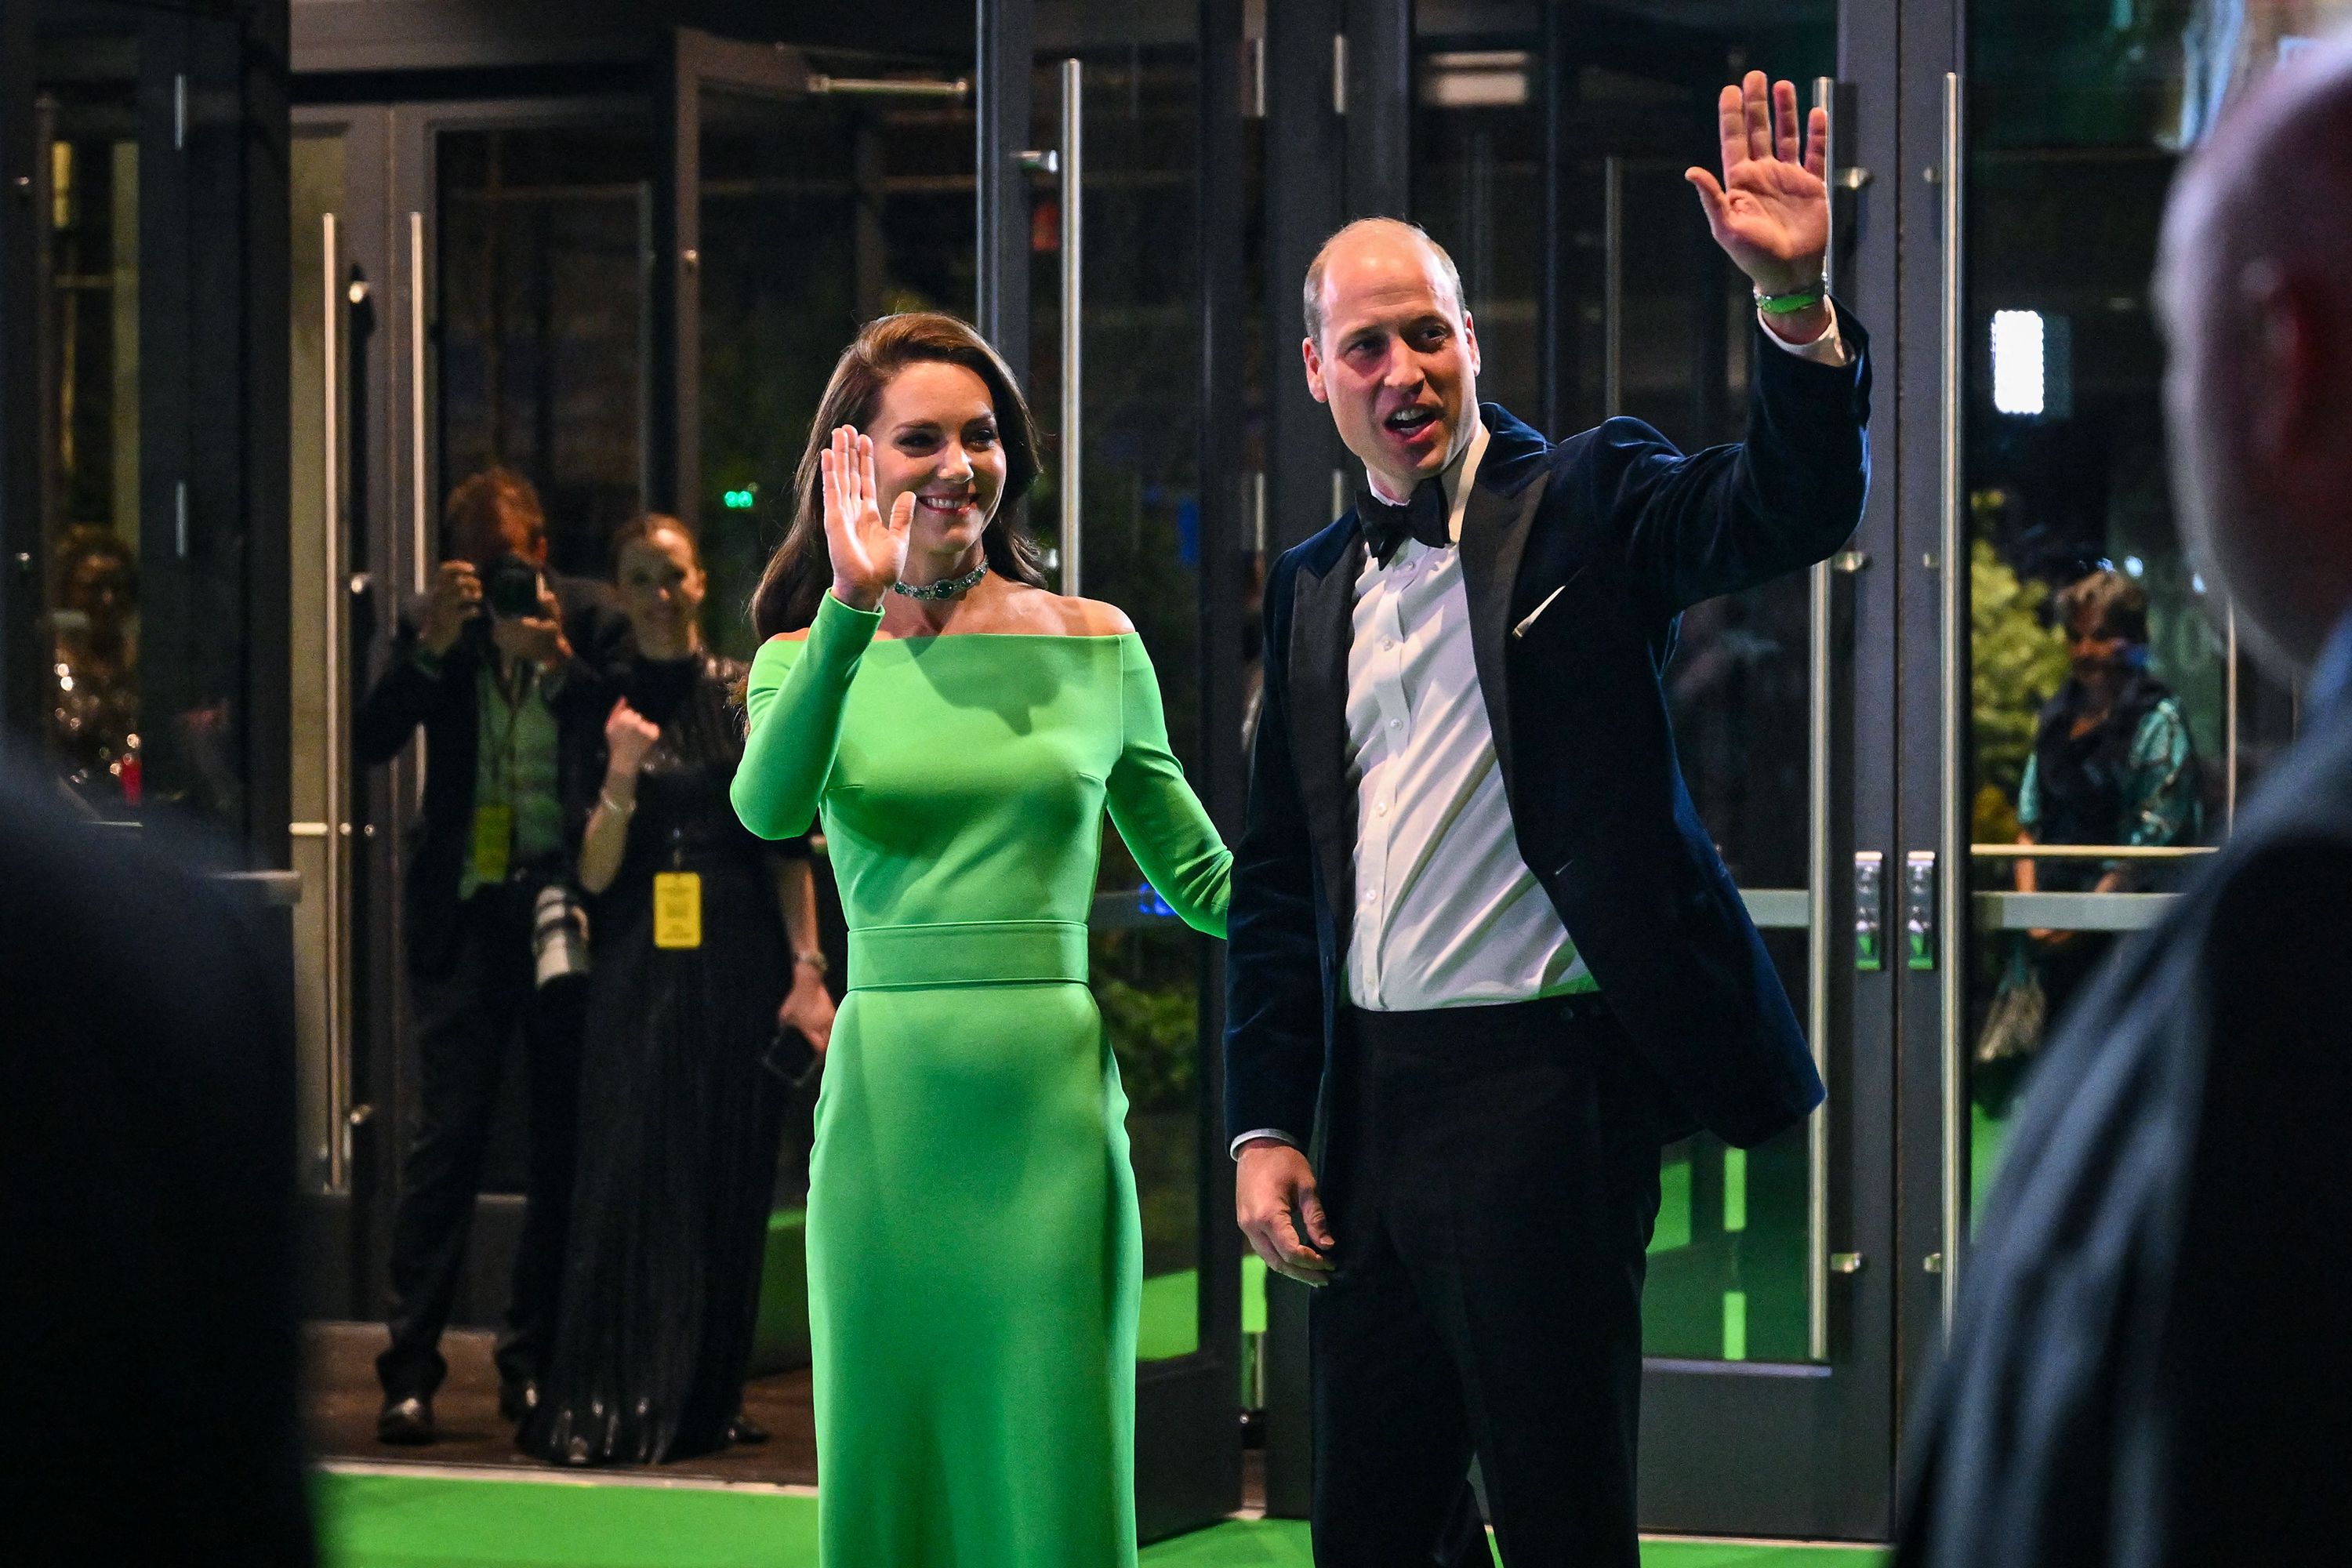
1520	630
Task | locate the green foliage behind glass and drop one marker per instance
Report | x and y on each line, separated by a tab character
1147	983
2018	663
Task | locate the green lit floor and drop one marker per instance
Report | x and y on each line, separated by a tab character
411	1522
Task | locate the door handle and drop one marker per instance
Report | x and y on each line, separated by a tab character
1818	968
334	606
1952	553
420	506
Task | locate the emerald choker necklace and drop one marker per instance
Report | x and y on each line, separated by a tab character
945	588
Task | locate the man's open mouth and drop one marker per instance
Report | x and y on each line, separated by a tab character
1410	421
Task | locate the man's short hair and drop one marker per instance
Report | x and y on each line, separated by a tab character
1322	257
482	509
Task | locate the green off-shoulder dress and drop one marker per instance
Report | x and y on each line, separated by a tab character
974	1253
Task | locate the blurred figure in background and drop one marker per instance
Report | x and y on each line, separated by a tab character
2150	1365
94	710
706	951
147	1200
505	667
2112	763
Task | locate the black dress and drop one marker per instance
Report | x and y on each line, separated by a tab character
679	1121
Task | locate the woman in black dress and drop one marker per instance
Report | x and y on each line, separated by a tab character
2112	763
703	943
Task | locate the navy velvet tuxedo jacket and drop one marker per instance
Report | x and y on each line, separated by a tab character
1613	533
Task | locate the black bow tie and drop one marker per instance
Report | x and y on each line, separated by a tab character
1424	518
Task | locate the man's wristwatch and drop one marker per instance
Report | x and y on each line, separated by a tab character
814	960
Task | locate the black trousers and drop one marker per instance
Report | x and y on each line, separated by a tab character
1491	1179
463	1017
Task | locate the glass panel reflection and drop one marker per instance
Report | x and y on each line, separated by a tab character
88	326
541	295
2111	714
817	215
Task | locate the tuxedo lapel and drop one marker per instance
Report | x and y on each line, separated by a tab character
1321	628
1494	539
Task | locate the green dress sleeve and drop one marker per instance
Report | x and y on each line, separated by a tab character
1156	811
794	704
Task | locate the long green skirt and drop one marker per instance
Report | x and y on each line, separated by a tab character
975	1264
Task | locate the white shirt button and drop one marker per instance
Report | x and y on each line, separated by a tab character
1388	644
1383	808
1396	724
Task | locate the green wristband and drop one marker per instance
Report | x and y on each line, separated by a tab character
1789	304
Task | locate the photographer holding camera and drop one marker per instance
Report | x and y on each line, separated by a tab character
508	668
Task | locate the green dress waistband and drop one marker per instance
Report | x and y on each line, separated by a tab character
967	952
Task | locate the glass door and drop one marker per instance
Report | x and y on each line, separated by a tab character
340	302
1117	271
1548	157
489	305
2113	727
139	548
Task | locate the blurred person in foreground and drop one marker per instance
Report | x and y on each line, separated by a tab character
706	953
2150	1367
505	667
147	1203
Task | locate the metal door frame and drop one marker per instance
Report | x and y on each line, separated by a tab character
1927	1261
390	199
345	1277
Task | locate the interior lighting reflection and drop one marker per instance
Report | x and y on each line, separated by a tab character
2019	378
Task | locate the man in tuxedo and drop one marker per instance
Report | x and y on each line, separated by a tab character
2148	1365
1477	929
512	700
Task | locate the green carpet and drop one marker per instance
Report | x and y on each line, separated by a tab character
403	1522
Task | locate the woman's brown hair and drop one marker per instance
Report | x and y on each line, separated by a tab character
641	528
801	568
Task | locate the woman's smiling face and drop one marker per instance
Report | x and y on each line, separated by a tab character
934	430
661	585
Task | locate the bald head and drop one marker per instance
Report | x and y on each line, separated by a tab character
1377	240
2255	293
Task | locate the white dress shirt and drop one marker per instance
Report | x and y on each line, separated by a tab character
1447	912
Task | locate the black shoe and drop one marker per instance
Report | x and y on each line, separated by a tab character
744	1429
407	1421
518	1400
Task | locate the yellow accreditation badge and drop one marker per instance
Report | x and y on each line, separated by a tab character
493	841
678	909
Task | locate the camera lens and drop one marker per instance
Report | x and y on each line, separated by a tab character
512	588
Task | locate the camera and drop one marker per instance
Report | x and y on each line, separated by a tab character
510	588
559	936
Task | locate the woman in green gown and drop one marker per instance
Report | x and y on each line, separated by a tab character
974	1251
